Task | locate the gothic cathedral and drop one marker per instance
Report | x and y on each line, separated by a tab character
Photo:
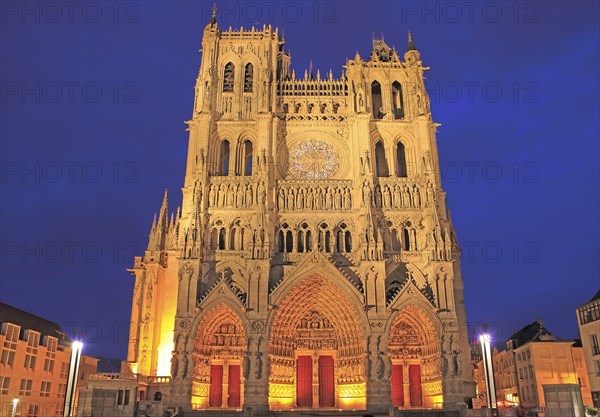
313	263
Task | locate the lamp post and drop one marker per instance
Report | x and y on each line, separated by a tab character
69	407
15	403
488	370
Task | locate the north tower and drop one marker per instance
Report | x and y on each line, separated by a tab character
313	262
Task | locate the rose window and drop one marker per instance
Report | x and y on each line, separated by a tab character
313	160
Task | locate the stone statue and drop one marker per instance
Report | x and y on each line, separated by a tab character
259	365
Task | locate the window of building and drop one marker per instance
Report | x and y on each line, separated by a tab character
126	400
594	343
248	155
381	166
64	370
45	389
120	397
376	100
597	368
4	384
51	343
401	161
62	389
11	336
397	101
324	238
285	239
228	78
33	341
248	78
224	158
33	410
25	388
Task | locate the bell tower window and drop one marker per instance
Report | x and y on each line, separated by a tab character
377	103
228	78
248	78
397	101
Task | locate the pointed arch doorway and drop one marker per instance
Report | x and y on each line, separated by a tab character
414	351
316	349
219	348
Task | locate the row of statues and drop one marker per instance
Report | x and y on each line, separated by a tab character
314	198
236	195
396	196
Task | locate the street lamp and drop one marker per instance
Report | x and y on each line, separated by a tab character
488	370
69	407
15	402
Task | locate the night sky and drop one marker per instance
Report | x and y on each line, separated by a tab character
94	100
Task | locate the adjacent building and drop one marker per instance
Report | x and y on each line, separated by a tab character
313	263
535	360
588	318
34	364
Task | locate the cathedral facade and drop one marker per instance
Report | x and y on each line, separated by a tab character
313	263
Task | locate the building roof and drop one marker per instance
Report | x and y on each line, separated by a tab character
10	314
596	297
533	332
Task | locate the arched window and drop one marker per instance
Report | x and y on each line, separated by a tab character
300	241
232	239
401	160
324	238
286	239
222	238
224	158
248	155
406	239
248	78
397	100
281	242
343	242
228	78
348	241
381	166
289	241
376	102
308	241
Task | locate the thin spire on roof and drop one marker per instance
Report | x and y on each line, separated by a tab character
411	43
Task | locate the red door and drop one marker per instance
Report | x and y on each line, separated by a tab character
414	375
397	386
233	392
304	381
326	382
215	398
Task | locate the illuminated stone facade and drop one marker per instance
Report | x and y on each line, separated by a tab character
313	262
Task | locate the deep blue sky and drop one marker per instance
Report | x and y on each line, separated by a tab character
542	132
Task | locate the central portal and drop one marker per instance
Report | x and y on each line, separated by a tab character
316	350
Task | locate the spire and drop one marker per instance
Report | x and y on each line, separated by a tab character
411	43
213	19
164	209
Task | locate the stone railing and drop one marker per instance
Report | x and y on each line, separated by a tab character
117	377
159	379
313	87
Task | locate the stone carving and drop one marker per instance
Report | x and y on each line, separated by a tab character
295	197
